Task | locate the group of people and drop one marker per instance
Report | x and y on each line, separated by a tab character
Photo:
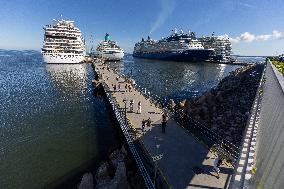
149	121
128	87
146	123
131	107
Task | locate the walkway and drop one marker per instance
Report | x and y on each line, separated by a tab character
184	161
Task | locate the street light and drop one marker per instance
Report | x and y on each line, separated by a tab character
125	102
166	93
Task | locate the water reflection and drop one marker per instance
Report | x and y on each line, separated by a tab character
71	77
176	80
50	122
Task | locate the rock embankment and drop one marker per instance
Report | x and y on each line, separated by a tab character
118	172
225	109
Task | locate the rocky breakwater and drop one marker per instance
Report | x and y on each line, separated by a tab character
225	109
118	172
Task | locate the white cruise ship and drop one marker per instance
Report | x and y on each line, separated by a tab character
109	50
63	43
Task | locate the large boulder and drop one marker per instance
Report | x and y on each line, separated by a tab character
119	180
102	175
87	181
116	157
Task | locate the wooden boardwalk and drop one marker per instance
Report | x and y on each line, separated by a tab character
180	155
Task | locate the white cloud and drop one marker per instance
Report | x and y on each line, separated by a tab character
277	34
248	37
167	7
263	37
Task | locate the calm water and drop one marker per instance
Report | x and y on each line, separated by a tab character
174	80
51	125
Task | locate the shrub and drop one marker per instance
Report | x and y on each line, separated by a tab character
279	65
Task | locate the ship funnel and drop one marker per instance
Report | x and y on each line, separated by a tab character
107	37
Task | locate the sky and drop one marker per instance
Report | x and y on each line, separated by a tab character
255	27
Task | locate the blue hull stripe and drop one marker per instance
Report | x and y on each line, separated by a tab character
189	55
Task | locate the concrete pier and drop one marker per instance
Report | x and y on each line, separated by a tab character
182	160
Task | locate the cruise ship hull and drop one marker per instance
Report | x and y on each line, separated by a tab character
112	56
195	55
63	58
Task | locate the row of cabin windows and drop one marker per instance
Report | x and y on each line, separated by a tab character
69	56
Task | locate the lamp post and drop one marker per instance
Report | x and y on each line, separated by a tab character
166	93
125	102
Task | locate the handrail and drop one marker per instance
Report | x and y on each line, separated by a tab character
130	136
199	130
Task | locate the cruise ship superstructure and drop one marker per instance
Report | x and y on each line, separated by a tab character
220	44
176	47
184	47
109	50
63	43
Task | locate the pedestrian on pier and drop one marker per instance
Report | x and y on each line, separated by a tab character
114	88
217	163
131	105
129	87
164	122
139	108
116	78
149	121
143	125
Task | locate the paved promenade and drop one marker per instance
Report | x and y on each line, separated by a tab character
184	161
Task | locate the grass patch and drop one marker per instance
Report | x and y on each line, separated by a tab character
279	65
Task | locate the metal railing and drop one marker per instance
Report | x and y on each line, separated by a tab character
199	130
143	160
203	133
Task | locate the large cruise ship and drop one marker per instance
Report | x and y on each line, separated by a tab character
176	47
63	43
221	45
109	50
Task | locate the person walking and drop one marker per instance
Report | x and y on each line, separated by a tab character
126	87
139	108
131	105
143	125
164	122
114	88
149	121
119	87
216	166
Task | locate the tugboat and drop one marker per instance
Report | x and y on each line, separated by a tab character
109	50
